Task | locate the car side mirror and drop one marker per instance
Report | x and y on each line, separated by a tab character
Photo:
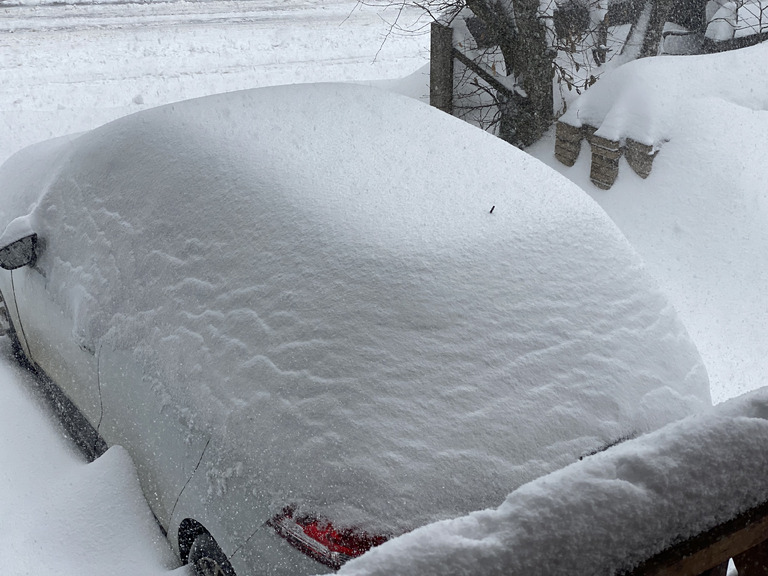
22	252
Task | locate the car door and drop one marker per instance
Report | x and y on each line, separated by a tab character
54	344
163	440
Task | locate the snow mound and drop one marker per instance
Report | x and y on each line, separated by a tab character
642	99
314	275
607	513
60	516
699	220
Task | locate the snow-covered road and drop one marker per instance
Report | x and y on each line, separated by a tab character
70	68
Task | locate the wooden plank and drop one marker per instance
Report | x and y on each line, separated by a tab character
753	562
711	548
604	143
484	72
721	570
441	67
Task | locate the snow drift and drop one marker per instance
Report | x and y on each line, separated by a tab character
59	515
643	99
700	219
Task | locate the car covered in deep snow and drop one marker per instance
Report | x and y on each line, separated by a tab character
321	316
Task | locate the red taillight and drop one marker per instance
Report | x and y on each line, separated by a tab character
320	540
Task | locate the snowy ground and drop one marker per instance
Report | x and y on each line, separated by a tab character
59	515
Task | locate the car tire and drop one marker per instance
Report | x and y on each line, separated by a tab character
6	327
207	559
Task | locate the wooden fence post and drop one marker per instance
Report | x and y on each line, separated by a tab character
441	67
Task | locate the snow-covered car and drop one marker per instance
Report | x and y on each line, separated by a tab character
321	316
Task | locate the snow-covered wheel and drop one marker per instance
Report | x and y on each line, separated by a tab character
207	559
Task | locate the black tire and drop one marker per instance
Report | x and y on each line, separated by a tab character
207	559
5	319
7	326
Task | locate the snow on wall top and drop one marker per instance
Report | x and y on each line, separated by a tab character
314	272
641	99
606	514
699	220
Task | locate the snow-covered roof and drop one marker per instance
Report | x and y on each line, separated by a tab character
315	273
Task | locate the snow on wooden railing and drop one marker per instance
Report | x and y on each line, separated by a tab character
605	153
743	539
681	500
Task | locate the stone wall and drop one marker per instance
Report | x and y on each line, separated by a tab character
605	153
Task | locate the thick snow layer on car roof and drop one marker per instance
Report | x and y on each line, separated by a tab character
315	272
606	514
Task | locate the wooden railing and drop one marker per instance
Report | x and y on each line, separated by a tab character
442	56
743	539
